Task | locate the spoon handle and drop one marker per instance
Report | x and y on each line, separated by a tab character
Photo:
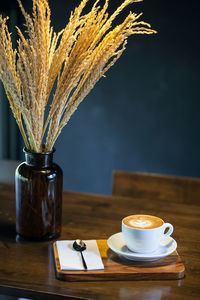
83	260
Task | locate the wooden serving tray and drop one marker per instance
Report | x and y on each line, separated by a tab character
117	268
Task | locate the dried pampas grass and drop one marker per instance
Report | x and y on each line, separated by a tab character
74	59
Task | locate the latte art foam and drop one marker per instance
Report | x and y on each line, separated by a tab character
143	221
140	223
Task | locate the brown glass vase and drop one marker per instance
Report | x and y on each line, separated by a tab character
38	187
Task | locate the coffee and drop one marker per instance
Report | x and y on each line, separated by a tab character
144	233
143	221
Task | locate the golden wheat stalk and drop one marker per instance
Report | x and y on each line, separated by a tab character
75	59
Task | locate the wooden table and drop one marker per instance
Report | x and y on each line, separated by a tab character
27	269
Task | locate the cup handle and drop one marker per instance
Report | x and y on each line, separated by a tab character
170	230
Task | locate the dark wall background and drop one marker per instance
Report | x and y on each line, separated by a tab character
144	116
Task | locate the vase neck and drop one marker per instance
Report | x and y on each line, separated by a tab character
41	160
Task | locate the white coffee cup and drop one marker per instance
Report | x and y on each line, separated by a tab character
145	233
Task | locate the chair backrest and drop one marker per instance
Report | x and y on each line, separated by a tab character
154	186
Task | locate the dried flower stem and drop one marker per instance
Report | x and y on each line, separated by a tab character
75	59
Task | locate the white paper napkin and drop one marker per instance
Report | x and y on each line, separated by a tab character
71	259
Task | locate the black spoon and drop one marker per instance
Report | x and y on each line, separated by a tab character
80	246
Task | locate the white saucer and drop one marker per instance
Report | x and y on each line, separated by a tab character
116	243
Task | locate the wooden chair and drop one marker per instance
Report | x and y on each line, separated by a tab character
154	186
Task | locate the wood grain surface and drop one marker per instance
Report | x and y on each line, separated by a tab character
154	186
117	268
27	269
